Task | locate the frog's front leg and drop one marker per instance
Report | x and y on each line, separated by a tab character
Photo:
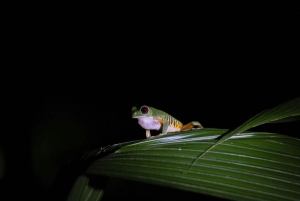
165	127
148	134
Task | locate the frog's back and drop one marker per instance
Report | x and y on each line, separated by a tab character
161	116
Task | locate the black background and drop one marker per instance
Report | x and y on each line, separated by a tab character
72	72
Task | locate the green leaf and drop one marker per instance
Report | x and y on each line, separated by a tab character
83	191
248	166
235	164
280	113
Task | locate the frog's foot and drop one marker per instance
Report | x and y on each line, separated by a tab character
191	125
158	135
148	134
197	125
154	136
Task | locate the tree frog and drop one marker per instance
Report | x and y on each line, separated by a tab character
150	118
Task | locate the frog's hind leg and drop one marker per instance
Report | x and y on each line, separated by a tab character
191	125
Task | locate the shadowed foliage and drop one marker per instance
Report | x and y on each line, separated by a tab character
237	164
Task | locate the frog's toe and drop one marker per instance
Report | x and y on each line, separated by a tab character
197	124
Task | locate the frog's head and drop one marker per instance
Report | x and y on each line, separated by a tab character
144	111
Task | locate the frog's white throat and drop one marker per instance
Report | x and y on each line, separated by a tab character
149	123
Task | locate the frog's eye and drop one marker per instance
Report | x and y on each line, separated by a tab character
144	109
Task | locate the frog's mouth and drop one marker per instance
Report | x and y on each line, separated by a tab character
136	117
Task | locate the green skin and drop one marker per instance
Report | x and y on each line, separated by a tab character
148	120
